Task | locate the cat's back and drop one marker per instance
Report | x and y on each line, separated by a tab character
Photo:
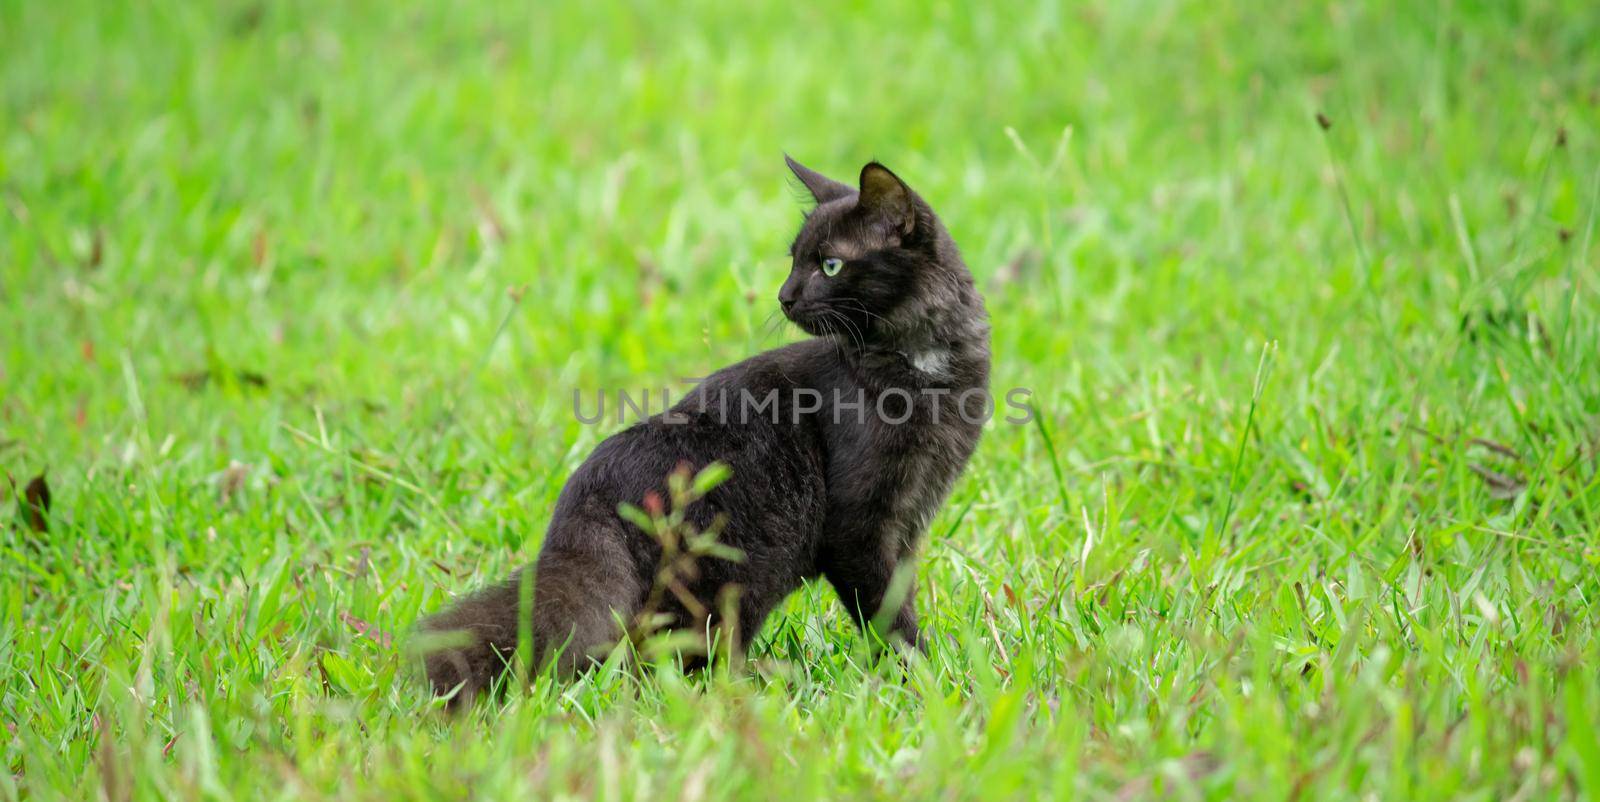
787	369
740	416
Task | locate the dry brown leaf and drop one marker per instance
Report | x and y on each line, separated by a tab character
1501	486
97	250
1498	448
36	504
232	479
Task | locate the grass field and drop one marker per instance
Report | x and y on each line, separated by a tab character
294	298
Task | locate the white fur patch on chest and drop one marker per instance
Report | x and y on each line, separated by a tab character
933	361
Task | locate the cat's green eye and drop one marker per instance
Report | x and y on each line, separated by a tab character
831	266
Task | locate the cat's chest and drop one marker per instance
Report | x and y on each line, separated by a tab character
889	470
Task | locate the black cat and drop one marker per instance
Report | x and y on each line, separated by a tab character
842	447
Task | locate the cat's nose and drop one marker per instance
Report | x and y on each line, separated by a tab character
789	293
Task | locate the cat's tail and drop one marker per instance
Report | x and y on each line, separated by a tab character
578	597
471	644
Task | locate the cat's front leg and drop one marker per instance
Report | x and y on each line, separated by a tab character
880	594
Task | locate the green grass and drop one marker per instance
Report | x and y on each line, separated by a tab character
1312	510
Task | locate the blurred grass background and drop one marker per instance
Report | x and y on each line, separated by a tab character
294	298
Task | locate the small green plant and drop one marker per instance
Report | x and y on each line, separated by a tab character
683	548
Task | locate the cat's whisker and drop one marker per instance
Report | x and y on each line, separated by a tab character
771	326
870	314
833	333
856	336
837	335
858	306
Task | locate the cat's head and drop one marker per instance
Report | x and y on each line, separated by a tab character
872	264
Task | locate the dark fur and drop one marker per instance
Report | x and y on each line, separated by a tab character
811	494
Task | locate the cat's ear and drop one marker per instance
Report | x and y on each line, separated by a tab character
884	195
822	188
